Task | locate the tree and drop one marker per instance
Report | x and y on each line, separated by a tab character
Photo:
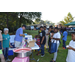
67	19
37	21
28	16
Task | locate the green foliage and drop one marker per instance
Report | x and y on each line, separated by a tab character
67	19
12	21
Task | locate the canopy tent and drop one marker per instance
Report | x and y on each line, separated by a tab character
71	23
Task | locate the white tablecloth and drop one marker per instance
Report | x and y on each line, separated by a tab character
32	48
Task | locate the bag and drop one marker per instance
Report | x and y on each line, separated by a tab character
52	47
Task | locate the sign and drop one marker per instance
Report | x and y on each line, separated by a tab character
12	38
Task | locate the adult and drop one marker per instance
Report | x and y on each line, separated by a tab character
6	43
42	40
46	31
19	36
56	37
1	53
64	38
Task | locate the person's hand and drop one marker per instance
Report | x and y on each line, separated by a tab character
51	37
41	42
2	48
11	46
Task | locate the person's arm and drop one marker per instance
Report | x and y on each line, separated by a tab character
71	48
58	37
1	39
42	39
22	35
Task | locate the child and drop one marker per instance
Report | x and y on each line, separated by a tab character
38	43
71	50
56	37
64	38
42	41
1	54
35	38
6	43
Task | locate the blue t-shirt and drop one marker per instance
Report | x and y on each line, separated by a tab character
65	35
0	45
18	37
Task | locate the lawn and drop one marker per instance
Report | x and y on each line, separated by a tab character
62	54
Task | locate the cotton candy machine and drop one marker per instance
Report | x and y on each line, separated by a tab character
22	54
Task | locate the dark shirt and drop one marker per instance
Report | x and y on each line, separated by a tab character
42	34
0	45
50	35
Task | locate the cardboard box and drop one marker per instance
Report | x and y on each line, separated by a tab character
31	43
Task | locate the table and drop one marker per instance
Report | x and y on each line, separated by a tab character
70	32
36	47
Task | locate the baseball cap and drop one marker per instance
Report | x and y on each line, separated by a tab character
24	26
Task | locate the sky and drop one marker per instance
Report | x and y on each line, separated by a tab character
55	17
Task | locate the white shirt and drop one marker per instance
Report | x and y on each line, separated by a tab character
56	35
46	31
71	53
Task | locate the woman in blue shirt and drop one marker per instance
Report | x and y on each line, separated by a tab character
64	38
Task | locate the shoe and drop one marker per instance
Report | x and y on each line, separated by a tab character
52	61
42	55
63	48
8	60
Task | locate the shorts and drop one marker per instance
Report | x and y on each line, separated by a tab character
17	44
1	51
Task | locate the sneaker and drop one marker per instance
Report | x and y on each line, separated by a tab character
63	48
42	55
8	60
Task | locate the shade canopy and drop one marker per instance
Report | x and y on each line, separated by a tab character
71	23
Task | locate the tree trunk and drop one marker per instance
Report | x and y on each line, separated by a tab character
20	20
7	19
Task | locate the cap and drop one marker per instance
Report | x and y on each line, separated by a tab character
24	26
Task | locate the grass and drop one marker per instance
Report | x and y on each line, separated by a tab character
62	54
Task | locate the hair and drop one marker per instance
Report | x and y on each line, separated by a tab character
64	29
6	29
44	26
35	36
41	27
24	26
38	36
56	28
51	27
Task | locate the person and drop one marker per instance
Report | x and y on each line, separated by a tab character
46	31
38	43
64	38
50	34
42	40
1	53
19	36
71	50
56	37
6	43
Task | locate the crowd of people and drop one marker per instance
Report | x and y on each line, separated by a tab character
44	38
47	36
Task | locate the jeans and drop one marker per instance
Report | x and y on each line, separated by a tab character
64	44
55	54
5	52
42	49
